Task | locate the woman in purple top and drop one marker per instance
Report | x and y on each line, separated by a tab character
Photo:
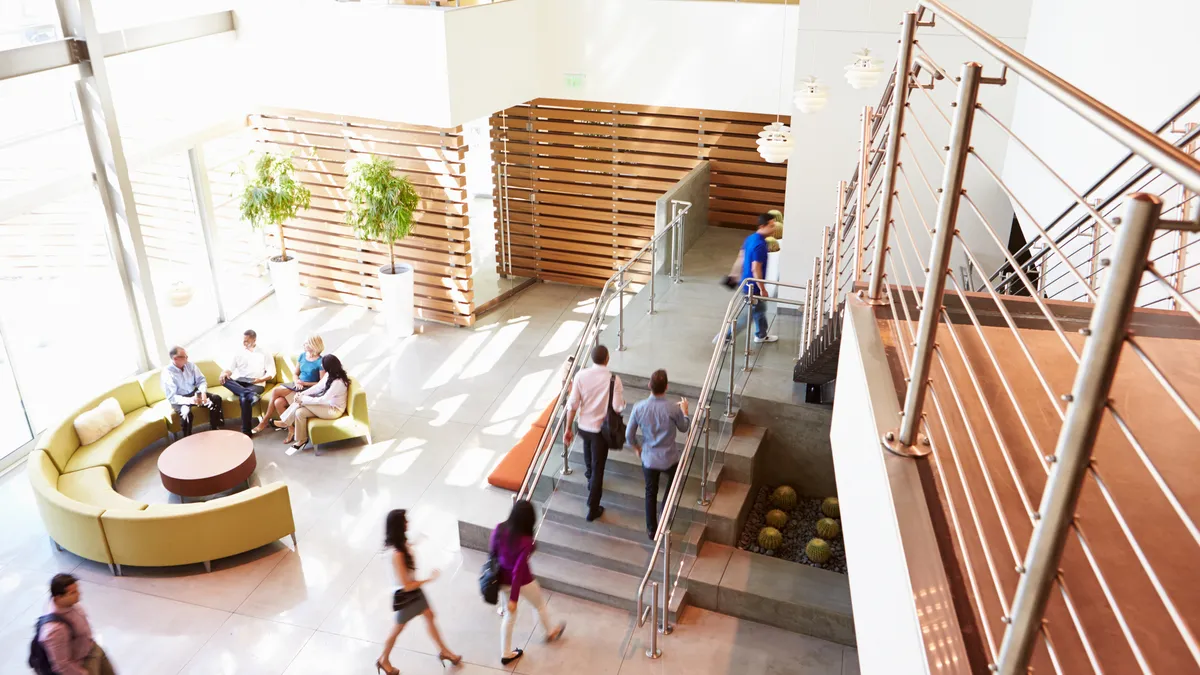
512	544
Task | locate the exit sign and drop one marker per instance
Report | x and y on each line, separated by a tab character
574	80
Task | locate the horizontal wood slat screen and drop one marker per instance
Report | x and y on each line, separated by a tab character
579	179
334	264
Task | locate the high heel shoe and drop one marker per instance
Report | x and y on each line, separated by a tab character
517	653
380	668
454	659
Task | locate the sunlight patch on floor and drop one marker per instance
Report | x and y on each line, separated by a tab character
457	360
564	338
496	347
471	467
521	398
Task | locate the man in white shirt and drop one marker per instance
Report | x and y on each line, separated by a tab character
589	399
249	370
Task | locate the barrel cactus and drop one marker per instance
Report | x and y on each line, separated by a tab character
776	519
818	551
830	507
784	498
828	528
770	538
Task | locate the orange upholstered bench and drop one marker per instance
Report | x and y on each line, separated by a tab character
510	472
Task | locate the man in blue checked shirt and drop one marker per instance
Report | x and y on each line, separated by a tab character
658	419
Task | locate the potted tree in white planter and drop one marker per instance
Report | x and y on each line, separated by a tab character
271	196
381	206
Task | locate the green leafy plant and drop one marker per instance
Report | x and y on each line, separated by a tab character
381	202
271	195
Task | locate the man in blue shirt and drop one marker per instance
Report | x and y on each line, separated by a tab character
658	419
184	387
754	266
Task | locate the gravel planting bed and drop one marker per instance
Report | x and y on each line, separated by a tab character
800	528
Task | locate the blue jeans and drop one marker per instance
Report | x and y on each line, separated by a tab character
758	311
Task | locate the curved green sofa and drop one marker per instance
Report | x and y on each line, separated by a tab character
73	484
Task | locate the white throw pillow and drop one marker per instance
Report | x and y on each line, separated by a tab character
92	425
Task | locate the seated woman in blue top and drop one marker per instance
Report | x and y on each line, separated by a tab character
307	373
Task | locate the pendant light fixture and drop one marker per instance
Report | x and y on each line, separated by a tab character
811	96
775	140
866	71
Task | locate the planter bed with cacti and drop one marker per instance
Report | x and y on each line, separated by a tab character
806	531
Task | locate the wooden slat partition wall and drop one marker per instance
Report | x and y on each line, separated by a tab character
582	179
336	265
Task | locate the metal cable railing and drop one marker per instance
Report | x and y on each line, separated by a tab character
1051	431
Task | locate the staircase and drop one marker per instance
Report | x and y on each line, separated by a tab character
818	364
604	560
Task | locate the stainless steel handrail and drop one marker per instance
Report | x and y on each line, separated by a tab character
697	431
613	288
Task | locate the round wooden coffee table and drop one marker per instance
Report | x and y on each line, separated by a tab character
207	463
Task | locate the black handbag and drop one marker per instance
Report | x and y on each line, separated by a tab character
613	428
489	579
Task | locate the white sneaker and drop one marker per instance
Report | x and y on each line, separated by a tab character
769	338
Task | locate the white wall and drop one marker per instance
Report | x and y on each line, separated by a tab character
386	62
713	55
1138	59
492	57
827	141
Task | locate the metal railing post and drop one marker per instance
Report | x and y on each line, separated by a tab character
825	253
749	331
814	318
666	627
864	177
704	500
1107	331
892	156
653	271
732	364
939	261
621	310
837	248
652	651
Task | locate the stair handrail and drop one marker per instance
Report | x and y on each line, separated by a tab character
662	537
1113	195
614	287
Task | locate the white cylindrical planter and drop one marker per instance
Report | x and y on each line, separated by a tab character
773	272
396	286
285	277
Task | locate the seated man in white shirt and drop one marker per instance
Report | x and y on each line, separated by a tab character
249	370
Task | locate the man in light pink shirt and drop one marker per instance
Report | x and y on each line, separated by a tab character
68	642
589	400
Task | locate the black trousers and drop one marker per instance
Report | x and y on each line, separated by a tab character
652	507
595	456
216	416
247	393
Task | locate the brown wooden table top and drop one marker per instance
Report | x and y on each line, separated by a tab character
207	462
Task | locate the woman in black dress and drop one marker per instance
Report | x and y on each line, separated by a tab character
409	600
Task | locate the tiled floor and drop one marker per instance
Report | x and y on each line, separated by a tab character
444	405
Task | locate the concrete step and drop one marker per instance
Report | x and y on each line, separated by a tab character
593	548
626	463
571	510
581	580
629	493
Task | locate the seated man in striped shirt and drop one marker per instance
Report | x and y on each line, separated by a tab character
658	419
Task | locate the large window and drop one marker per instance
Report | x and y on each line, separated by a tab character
27	22
62	306
242	254
14	426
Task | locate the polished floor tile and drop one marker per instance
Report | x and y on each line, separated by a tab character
247	646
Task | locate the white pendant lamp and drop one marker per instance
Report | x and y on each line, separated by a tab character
775	142
811	96
865	72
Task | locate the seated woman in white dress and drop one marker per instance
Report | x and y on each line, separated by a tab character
327	400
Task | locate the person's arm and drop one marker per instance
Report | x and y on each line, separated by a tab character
514	589
407	581
269	371
618	395
57	642
572	408
201	383
759	273
631	431
680	416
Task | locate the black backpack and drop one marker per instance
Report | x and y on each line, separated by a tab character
38	660
489	579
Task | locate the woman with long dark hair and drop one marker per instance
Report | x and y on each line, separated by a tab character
409	600
326	400
512	544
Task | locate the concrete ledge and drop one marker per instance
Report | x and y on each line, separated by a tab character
794	597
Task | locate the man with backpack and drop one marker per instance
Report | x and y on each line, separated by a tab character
62	642
598	398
